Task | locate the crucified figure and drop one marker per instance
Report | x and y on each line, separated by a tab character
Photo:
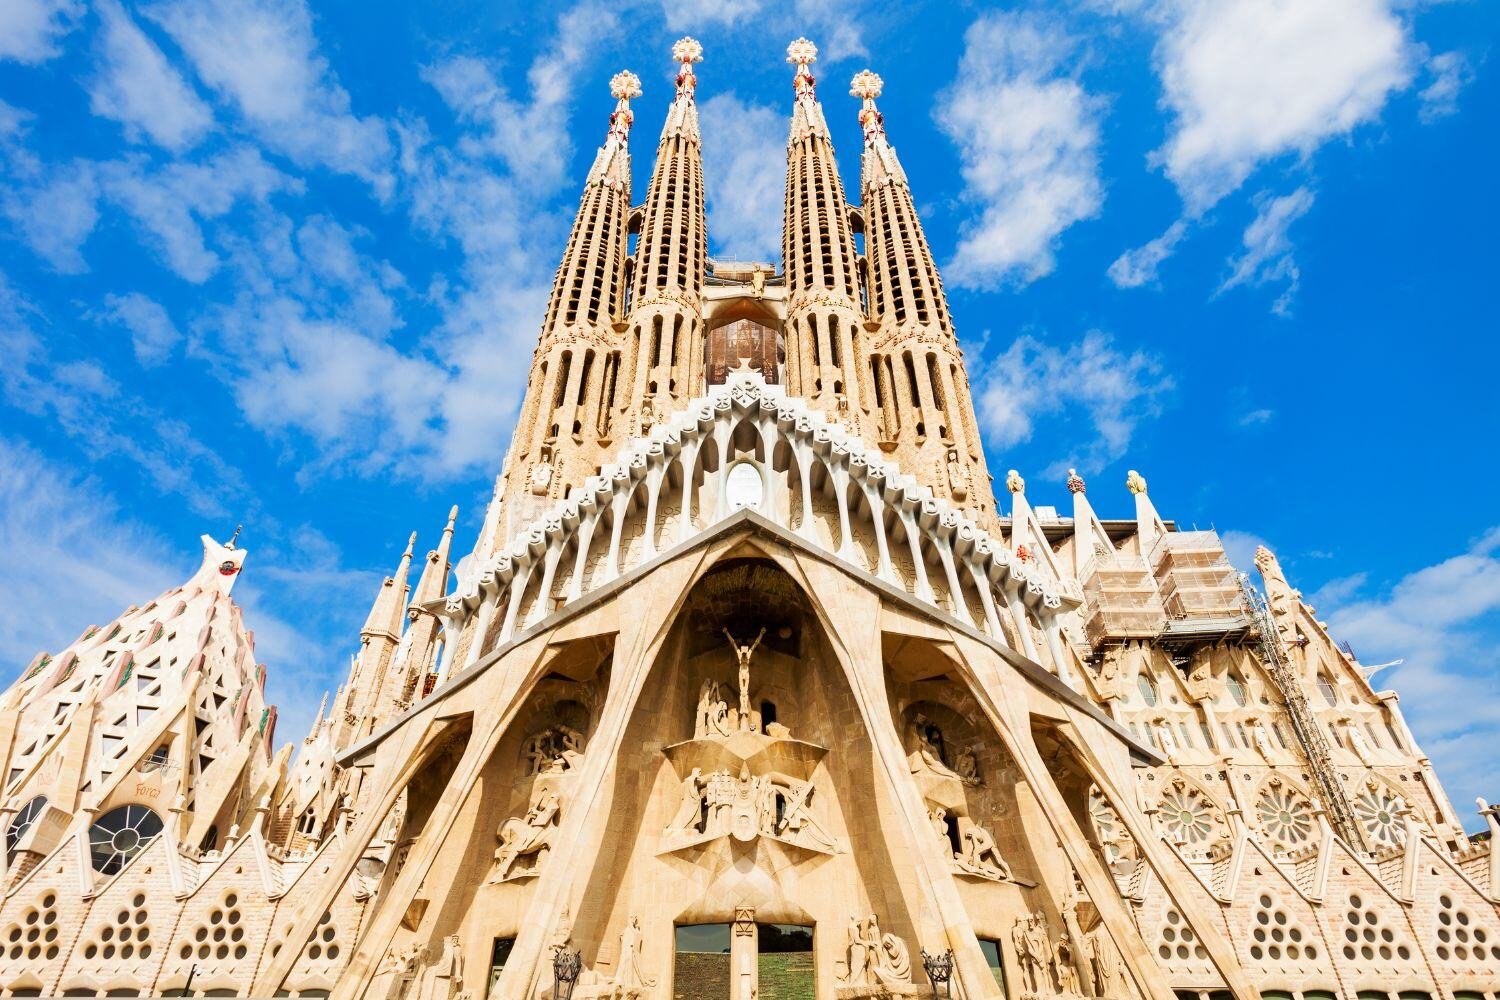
744	653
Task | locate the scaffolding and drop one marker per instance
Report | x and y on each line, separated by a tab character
1305	725
1120	599
1194	576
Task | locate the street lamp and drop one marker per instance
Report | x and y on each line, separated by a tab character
939	969
565	966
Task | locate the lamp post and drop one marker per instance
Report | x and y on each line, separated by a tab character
939	969
565	966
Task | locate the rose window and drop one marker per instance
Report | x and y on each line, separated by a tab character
1187	816
1380	813
22	822
121	834
1286	816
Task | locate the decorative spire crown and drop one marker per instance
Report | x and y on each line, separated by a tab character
1014	482
686	51
624	87
802	54
1075	482
1135	482
867	86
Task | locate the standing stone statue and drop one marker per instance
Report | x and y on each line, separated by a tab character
743	654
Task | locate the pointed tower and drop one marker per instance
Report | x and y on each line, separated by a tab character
920	388
378	641
671	256
413	672
824	328
571	399
154	723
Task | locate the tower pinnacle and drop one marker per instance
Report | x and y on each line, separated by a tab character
867	85
686	51
802	54
624	87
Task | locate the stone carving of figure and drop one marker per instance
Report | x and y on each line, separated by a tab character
981	855
1023	938
758	281
1063	967
631	974
571	749
1108	680
958	477
690	813
713	712
1359	744
541	478
1039	944
530	834
938	817
450	966
722	788
1102	961
743	654
861	958
1168	741
797	821
1261	740
894	965
925	755
1200	679
967	766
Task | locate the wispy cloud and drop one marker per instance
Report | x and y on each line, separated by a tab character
1137	267
1442	619
1093	394
744	170
153	335
31	30
135	85
1028	137
1267	257
262	57
1448	74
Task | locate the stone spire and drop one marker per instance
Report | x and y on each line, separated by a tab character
389	608
433	583
920	388
824	322
670	260
571	396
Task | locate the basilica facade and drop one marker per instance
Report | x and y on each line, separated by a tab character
756	684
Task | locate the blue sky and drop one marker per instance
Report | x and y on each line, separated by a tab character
284	264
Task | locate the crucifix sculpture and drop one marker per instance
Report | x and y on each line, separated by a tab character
743	653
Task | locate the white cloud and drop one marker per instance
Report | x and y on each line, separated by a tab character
54	212
1268	248
1450	73
153	335
1138	267
262	56
30	30
744	173
1091	381
136	85
1254	418
1251	80
1442	619
169	203
1028	136
62	535
689	15
1240	547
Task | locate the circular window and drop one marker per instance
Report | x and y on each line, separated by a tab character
120	835
22	822
1147	689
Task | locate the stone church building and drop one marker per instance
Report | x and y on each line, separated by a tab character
751	687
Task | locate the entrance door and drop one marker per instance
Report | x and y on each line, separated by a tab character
701	969
786	962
